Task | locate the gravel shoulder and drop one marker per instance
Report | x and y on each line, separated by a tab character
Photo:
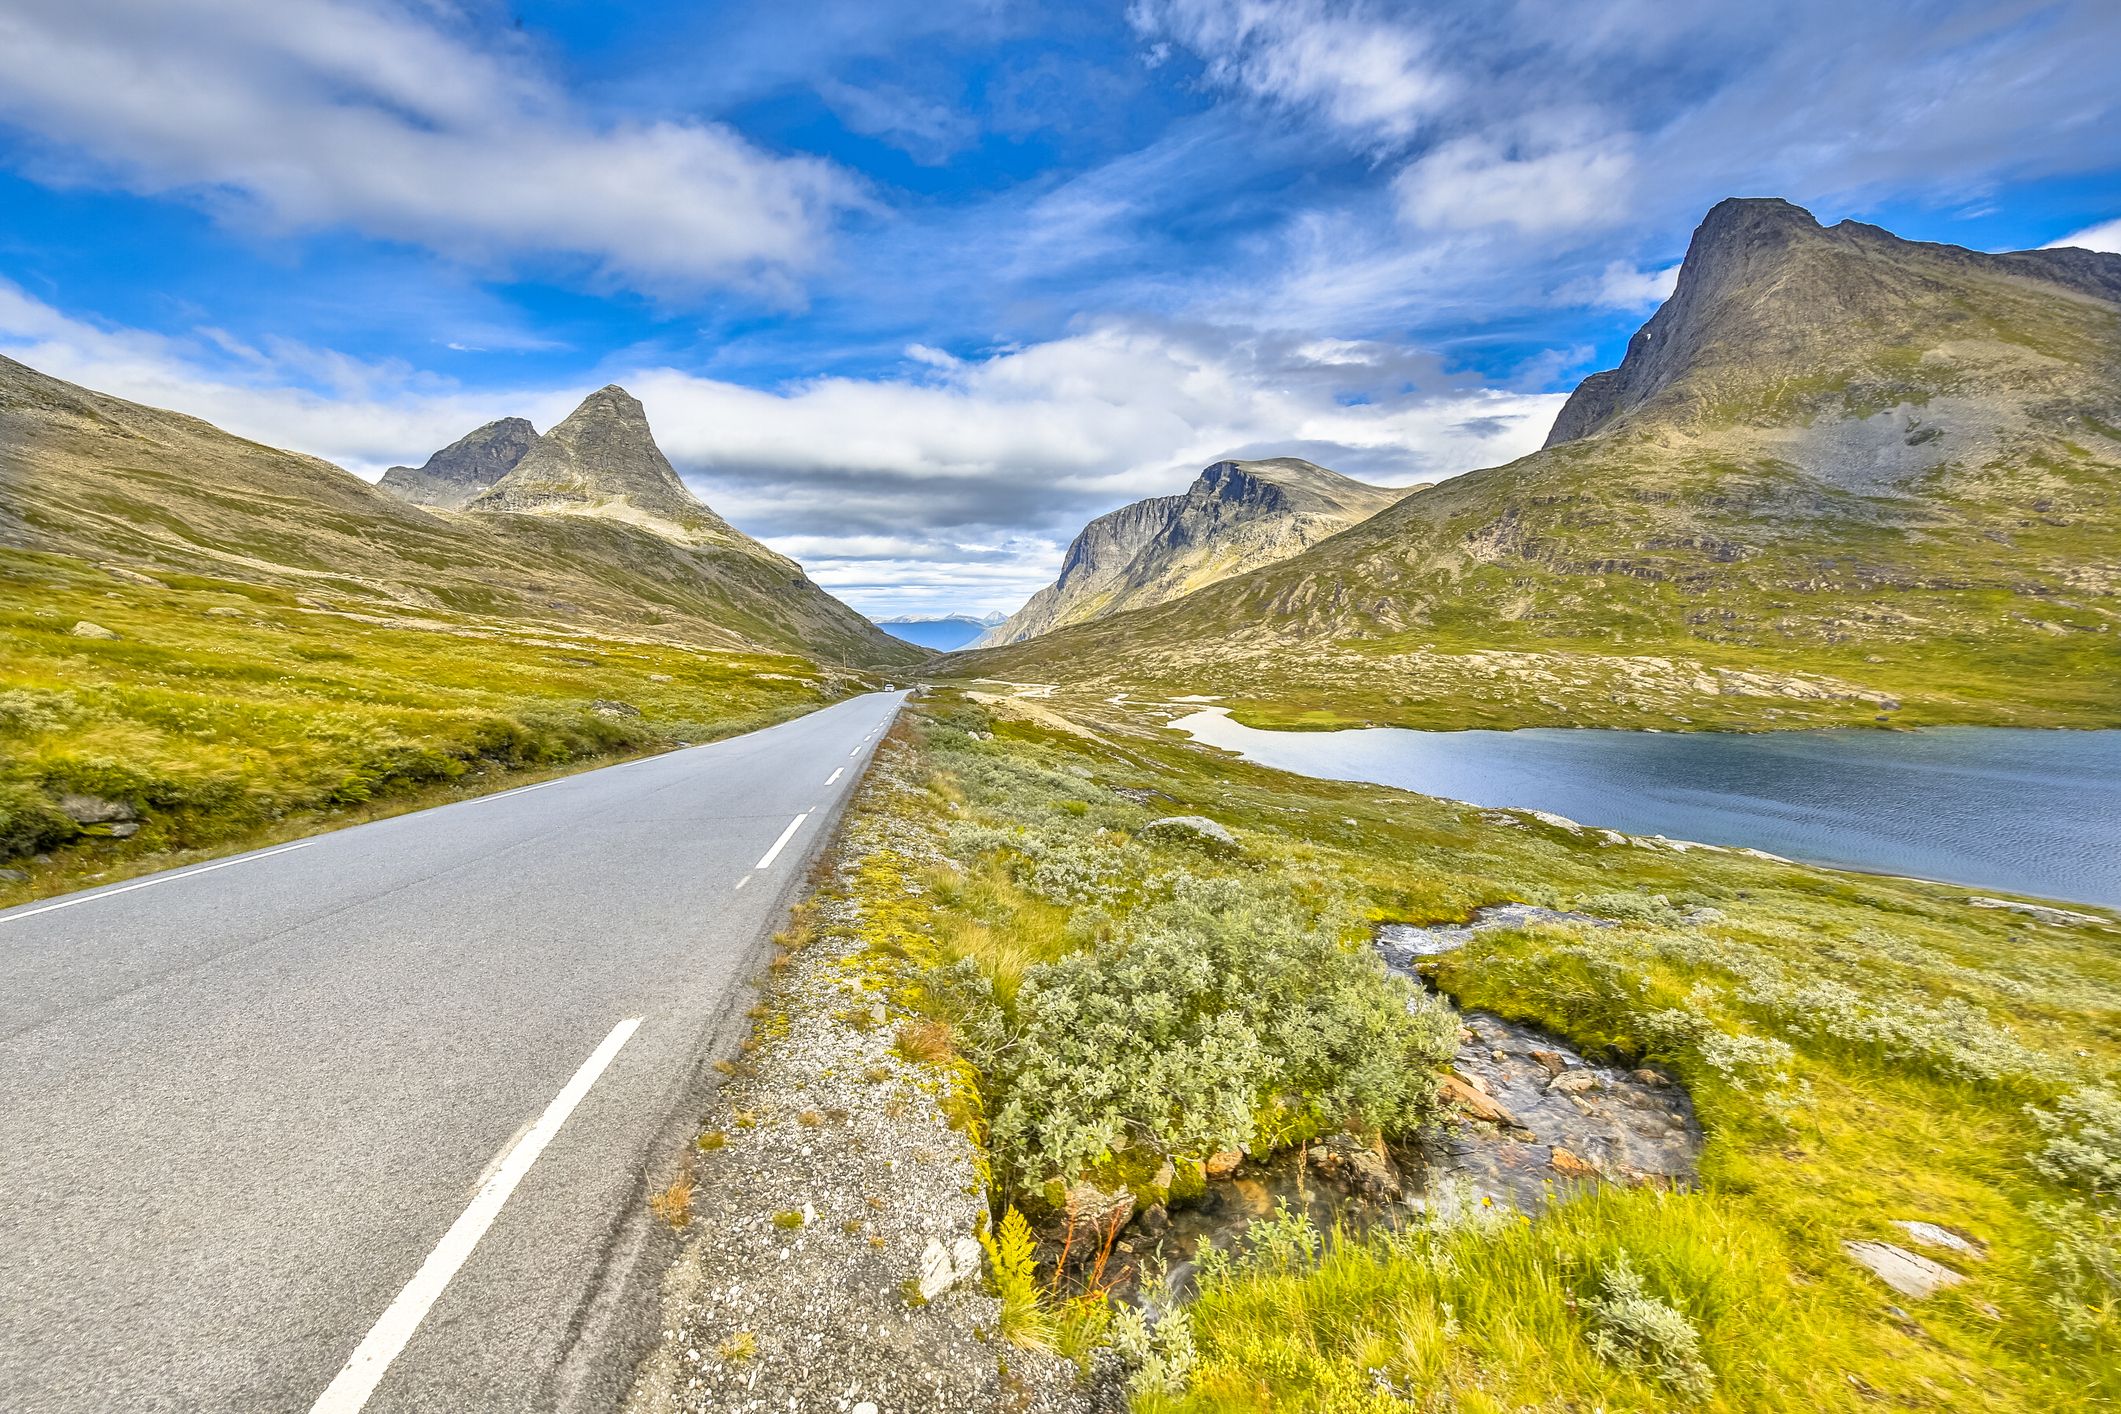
830	1254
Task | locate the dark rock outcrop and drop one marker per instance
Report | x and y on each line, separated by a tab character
1236	516
453	477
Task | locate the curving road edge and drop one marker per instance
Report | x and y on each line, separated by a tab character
367	1122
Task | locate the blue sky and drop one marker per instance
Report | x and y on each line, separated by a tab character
910	291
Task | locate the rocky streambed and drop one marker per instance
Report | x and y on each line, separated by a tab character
1533	1120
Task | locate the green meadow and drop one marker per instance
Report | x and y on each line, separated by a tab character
1116	1002
224	715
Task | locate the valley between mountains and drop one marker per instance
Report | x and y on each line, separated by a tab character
1093	1069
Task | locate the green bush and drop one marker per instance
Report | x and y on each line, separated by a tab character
29	821
1218	1012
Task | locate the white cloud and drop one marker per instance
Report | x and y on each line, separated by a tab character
928	131
1622	286
1472	182
317	113
964	478
2105	236
1365	75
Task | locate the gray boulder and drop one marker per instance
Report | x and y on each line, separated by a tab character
1198	826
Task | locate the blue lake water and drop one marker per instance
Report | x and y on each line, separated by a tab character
2034	812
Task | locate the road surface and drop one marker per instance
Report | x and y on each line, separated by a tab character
364	1121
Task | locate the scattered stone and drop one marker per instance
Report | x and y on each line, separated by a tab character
86	629
1575	1082
2038	912
1199	826
1408	940
13	876
1570	1165
605	707
1655	1079
1457	1092
1223	1163
1155	1221
1931	1235
1905	1272
659	677
1094	1213
1366	1169
85	809
943	1267
1552	1062
224	611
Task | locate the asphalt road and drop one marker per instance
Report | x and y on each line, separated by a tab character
251	1107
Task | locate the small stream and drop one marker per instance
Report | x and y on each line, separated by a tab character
1556	1122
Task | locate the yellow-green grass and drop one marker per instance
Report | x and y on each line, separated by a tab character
1860	1050
230	715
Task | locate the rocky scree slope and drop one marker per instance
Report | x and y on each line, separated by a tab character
1831	452
139	490
1236	516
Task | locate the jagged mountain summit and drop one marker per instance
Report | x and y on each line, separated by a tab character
139	490
1236	516
603	461
453	477
1838	475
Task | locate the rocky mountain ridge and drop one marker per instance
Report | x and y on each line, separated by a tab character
142	490
1236	516
1879	471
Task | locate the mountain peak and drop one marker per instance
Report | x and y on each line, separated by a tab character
1771	306
1236	516
602	460
462	471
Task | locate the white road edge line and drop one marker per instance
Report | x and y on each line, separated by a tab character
782	843
837	772
504	794
741	882
150	883
372	1358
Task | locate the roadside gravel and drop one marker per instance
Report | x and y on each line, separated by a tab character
830	1189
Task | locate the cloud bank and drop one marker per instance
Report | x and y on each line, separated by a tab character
321	113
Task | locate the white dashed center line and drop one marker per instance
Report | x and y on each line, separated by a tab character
371	1359
782	843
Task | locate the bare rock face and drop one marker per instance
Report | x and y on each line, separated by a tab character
603	462
462	471
1235	517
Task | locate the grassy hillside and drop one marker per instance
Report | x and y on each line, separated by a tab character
1860	1050
1858	479
269	643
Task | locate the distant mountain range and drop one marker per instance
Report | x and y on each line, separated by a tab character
1837	476
1236	516
944	633
584	527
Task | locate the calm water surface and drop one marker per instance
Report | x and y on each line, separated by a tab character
2035	812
